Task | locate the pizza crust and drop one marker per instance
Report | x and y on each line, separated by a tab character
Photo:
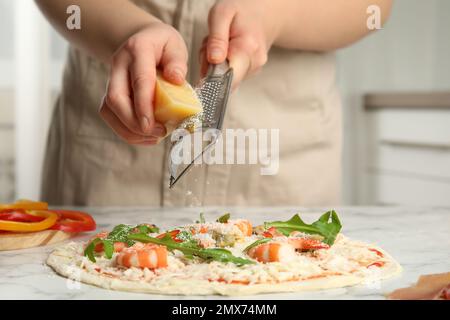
63	259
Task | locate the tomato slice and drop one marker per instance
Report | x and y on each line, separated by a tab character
267	234
173	234
271	232
376	264
73	221
380	254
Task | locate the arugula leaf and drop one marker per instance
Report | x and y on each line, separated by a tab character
184	236
191	248
89	250
329	229
324	227
224	218
145	228
108	247
222	255
257	243
118	234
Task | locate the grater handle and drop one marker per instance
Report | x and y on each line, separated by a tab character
218	69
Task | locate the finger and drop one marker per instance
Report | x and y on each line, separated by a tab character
241	64
203	60
202	48
123	110
121	130
143	77
174	61
118	95
219	22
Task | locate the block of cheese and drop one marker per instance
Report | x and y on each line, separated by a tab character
174	103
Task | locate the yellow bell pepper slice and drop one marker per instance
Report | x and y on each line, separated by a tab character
50	220
25	205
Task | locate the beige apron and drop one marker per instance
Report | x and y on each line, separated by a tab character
86	164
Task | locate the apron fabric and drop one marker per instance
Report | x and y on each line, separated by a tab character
86	164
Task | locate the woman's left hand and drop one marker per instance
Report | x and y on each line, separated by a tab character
241	31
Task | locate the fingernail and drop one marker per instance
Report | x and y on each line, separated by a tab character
215	54
145	124
177	74
159	130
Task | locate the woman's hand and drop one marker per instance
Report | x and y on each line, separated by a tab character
241	31
128	104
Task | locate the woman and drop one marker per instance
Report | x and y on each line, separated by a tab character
281	53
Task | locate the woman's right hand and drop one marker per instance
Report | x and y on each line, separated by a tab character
128	103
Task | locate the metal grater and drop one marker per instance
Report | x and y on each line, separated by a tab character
213	92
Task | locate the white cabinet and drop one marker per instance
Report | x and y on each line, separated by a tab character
407	151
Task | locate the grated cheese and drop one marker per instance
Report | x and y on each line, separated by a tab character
344	257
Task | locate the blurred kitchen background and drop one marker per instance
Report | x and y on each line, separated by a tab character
395	88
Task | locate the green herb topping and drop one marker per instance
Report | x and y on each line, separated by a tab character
327	226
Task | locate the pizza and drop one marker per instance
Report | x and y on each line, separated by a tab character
224	257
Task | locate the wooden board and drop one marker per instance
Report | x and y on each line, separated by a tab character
14	241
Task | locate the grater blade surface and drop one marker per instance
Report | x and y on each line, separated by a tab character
213	92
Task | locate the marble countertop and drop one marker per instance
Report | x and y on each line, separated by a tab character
419	238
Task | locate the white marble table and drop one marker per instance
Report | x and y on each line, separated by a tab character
419	238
